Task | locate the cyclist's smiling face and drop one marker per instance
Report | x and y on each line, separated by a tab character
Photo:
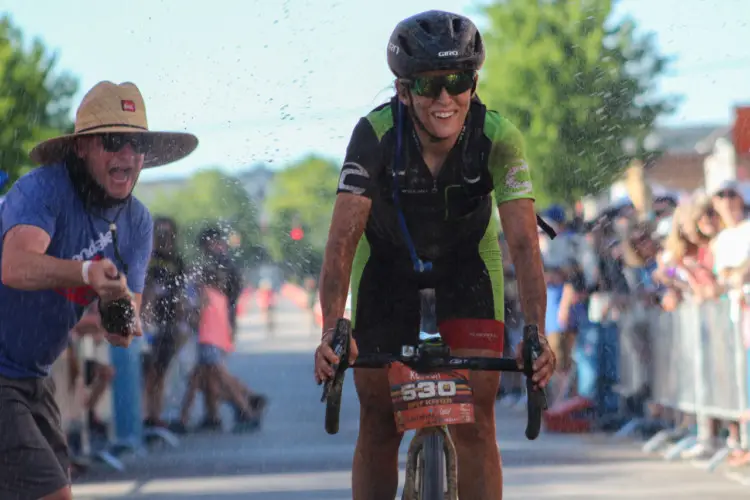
443	115
115	171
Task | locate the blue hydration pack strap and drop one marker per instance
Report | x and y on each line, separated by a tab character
419	266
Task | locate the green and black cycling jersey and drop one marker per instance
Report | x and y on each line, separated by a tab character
448	214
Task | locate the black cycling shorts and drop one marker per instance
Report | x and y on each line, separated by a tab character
386	303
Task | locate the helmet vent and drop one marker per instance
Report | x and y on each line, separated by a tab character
404	45
477	42
456	24
425	26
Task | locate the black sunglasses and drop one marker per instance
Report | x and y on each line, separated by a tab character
114	142
432	86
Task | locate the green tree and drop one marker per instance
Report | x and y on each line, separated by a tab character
577	85
34	102
210	197
301	195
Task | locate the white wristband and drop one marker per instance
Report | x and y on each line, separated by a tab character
85	271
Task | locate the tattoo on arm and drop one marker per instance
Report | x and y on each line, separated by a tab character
348	223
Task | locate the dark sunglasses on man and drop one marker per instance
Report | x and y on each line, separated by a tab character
114	142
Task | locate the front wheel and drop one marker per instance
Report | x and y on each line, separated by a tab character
432	468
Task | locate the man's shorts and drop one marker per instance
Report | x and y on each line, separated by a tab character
210	355
386	303
34	458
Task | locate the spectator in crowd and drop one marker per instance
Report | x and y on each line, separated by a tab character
558	256
311	287
663	207
683	269
211	375
163	298
731	259
98	372
215	253
266	298
511	384
639	250
732	247
690	256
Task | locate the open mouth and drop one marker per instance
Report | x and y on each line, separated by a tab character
120	175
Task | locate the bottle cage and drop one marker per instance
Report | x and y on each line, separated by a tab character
421	266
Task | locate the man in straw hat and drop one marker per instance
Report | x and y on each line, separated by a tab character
72	234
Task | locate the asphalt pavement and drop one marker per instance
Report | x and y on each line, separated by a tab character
292	457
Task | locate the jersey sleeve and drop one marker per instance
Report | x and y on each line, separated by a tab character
362	163
511	177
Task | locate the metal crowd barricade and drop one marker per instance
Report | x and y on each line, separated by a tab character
699	367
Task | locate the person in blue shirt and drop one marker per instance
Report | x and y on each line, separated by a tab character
72	234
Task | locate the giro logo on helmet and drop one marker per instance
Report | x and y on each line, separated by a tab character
448	53
393	48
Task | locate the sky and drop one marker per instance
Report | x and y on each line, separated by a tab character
271	81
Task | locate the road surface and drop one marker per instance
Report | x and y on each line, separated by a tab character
292	458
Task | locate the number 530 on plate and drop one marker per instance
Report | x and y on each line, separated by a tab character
428	400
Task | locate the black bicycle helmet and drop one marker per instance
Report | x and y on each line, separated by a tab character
434	40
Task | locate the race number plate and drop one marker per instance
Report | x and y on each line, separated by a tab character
430	400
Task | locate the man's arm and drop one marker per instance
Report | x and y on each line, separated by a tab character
26	267
29	221
350	214
519	226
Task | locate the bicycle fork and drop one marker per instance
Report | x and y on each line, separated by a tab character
417	450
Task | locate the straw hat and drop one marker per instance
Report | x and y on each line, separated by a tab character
111	108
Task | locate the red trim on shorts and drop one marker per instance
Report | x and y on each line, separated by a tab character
488	334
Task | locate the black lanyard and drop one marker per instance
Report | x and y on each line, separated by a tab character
113	230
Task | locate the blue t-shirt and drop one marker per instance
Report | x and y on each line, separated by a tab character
34	325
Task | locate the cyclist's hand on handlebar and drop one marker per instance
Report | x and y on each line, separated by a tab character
325	358
545	364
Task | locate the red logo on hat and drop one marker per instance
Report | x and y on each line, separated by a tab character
128	106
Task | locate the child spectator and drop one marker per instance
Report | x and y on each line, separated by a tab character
211	375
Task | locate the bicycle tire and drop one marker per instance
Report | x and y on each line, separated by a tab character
432	468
